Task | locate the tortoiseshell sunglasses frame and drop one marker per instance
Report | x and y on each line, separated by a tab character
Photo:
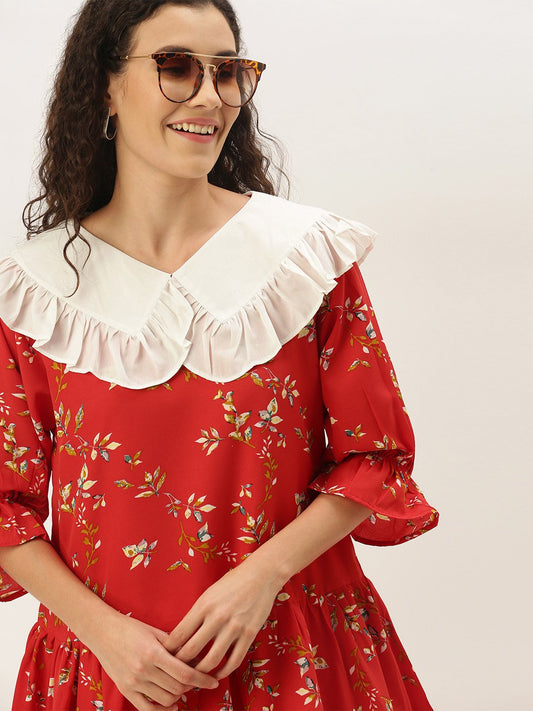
161	57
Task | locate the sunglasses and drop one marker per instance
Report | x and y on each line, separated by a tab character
181	75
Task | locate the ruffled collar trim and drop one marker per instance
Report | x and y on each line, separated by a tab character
248	290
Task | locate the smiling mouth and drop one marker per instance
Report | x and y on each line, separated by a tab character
194	128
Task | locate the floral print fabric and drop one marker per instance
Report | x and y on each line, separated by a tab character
156	493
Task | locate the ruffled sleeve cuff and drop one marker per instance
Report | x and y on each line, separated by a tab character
400	511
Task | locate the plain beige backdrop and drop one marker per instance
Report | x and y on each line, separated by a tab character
415	117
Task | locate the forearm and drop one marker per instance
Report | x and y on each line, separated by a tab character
325	522
37	567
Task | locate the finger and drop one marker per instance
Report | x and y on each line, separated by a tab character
185	674
192	648
159	696
167	683
216	654
183	631
235	659
142	703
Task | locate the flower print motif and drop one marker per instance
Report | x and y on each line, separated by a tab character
141	553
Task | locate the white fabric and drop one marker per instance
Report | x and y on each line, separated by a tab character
248	290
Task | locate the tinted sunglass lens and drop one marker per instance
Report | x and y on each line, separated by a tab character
236	82
180	76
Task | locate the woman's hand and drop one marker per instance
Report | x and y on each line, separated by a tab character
229	614
133	654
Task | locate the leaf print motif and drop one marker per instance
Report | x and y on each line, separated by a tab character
79	418
386	443
303	664
133	461
357	433
123	484
152	484
209	442
17	453
5	409
141	552
309	692
194	510
325	357
308	438
308	332
269	418
238	420
179	564
356	310
357	363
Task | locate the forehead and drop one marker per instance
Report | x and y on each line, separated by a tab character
198	29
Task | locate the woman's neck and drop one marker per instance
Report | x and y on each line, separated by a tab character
163	225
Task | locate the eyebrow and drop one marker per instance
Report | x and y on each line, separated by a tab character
174	48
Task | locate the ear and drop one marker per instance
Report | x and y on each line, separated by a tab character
115	90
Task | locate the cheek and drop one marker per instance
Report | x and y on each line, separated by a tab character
231	115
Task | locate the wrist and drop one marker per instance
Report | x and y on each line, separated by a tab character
269	565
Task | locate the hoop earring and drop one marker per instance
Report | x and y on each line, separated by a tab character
106	127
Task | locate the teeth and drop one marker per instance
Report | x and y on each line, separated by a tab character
193	128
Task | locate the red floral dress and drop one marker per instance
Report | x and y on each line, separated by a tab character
158	490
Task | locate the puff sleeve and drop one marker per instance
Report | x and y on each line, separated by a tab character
370	452
26	420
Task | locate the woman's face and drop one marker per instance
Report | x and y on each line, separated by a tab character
146	141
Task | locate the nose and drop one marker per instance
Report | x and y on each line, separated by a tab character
207	95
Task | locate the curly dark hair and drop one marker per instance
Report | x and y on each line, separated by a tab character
78	167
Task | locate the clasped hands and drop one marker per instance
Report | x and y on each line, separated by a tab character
225	619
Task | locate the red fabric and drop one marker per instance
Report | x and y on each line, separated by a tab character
158	492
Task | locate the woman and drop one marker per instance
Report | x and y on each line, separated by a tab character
176	342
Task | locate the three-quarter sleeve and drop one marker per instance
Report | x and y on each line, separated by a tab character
26	420
370	452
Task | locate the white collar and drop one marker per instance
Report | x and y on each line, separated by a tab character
248	290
